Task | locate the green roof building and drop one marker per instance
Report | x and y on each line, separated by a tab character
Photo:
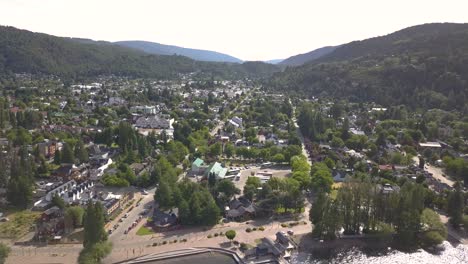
217	169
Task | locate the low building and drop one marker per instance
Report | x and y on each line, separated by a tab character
165	219
240	210
198	166
217	169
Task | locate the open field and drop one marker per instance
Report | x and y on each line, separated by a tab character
20	223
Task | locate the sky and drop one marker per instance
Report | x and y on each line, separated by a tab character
246	29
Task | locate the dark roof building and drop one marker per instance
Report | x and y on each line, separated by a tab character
153	122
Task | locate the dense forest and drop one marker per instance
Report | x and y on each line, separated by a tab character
23	51
422	66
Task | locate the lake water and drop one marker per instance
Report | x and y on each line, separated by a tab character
204	258
451	255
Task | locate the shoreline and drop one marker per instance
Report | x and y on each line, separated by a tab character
369	245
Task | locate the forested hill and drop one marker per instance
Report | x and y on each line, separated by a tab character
22	51
421	66
301	59
195	54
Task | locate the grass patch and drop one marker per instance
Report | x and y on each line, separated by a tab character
282	210
20	224
333	194
143	231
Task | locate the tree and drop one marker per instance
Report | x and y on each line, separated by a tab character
93	222
4	251
20	185
163	196
67	155
227	188
80	152
433	230
212	179
58	201
230	234
57	157
321	177
229	150
73	217
278	158
456	204
421	162
94	253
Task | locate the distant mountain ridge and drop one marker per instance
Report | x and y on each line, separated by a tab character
301	59
277	61
195	54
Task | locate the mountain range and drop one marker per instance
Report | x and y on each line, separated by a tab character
420	66
23	51
195	54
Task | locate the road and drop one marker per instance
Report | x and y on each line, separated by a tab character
145	203
299	133
220	124
436	172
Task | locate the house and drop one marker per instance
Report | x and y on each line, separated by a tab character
111	206
217	169
430	145
165	219
153	122
240	210
235	122
282	247
198	166
47	148
51	213
340	175
156	124
66	171
116	101
147	110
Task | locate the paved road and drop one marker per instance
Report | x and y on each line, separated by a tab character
133	215
214	131
299	133
436	172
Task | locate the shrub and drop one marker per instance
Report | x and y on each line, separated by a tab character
210	236
216	234
155	244
243	246
261	228
175	241
184	240
254	229
248	230
164	242
284	225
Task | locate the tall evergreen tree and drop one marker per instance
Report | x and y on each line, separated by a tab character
67	154
456	204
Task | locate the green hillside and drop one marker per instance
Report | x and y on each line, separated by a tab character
421	66
23	51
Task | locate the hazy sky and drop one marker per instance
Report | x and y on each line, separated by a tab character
247	29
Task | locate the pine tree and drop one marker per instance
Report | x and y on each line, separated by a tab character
456	205
57	157
80	152
67	154
94	225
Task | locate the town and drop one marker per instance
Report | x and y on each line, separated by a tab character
228	165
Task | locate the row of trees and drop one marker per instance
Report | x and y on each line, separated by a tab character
361	206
